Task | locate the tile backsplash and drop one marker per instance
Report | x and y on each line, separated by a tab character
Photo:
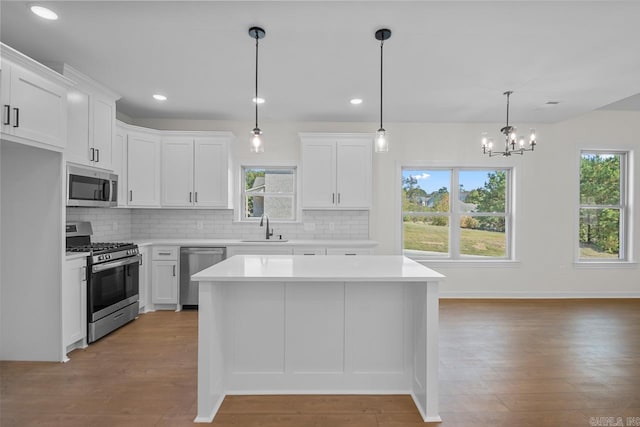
109	224
114	224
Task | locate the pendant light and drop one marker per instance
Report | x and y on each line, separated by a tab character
381	141
257	144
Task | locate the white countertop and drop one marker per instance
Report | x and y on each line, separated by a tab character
75	255
331	268
240	242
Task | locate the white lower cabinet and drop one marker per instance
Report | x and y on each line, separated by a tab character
309	250
259	250
74	304
349	251
164	276
296	250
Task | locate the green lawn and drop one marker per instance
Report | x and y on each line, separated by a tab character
433	238
590	251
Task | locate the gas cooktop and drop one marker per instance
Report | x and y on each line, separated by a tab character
101	247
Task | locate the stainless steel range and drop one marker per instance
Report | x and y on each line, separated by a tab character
112	282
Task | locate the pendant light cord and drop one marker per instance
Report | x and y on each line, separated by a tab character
256	100
381	50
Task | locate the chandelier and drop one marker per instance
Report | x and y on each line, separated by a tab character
512	144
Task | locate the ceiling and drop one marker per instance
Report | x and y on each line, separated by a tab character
446	61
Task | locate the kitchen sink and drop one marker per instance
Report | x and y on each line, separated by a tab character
264	240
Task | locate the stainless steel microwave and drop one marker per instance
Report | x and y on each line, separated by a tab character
91	187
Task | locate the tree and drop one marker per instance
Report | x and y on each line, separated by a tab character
600	186
490	198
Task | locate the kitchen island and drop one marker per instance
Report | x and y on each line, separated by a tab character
294	324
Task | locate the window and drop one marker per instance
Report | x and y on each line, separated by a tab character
603	204
269	190
456	213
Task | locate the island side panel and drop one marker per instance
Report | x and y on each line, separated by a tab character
425	348
211	361
318	337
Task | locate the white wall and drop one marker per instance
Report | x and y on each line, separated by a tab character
32	246
546	195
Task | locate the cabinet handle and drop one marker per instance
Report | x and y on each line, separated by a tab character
174	271
338	198
196	197
333	198
351	254
98	161
189	196
131	195
17	123
83	276
93	154
7	114
164	253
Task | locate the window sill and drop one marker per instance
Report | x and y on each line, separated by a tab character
604	265
465	263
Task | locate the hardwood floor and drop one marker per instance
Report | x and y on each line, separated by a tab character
502	363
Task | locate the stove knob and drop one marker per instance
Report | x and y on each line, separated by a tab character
108	256
100	258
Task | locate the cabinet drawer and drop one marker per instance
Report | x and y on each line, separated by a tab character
349	251
309	251
167	253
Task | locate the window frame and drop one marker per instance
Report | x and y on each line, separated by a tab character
241	206
624	208
454	216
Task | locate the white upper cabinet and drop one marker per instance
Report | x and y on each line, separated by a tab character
34	101
91	120
177	172
195	171
143	169
119	164
211	173
336	171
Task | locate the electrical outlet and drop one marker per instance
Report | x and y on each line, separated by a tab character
332	227
199	225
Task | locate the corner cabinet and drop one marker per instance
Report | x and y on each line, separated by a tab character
34	101
91	119
336	171
195	170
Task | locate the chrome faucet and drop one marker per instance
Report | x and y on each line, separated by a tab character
268	233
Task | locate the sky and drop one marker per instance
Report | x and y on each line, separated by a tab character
433	180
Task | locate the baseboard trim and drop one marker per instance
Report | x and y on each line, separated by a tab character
214	411
539	295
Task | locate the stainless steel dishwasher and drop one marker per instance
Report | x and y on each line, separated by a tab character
193	260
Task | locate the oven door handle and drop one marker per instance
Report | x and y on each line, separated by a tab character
113	264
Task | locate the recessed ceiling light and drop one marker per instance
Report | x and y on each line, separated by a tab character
43	12
356	101
159	97
258	100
